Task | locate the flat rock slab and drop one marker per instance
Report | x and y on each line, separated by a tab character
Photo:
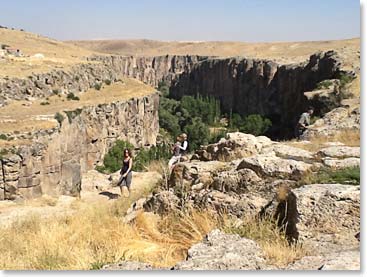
270	165
341	163
293	153
220	251
340	152
346	260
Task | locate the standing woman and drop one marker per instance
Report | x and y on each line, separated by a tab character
126	174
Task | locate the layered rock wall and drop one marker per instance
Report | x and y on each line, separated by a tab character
80	78
54	162
248	86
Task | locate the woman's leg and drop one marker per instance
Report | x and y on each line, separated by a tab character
129	178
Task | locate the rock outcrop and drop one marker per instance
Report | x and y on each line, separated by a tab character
248	86
55	160
220	251
243	85
80	78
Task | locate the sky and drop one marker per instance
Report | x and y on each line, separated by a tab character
186	20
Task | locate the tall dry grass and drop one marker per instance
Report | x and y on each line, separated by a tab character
97	235
349	137
272	241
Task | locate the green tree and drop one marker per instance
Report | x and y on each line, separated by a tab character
255	124
112	161
198	133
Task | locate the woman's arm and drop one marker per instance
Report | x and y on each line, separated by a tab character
184	145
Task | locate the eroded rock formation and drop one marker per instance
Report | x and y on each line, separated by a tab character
55	160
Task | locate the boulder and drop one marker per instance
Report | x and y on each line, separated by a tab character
293	153
340	152
329	207
220	251
235	145
343	163
269	165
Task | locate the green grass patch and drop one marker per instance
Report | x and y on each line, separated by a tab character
324	84
347	176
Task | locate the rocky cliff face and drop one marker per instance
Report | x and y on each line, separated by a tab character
248	86
150	70
243	85
55	160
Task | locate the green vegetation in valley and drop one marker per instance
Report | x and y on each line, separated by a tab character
112	161
254	124
196	116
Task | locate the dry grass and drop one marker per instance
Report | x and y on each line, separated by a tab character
57	54
349	137
95	236
281	51
17	117
276	248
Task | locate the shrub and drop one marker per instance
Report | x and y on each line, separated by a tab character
253	124
169	122
198	133
345	79
3	152
59	117
107	82
71	96
97	86
45	103
73	114
55	91
324	84
3	137
163	88
112	161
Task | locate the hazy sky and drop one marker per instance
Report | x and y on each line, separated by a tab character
239	20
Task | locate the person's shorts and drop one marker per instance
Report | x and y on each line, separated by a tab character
125	181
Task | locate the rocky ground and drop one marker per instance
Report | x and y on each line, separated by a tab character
242	175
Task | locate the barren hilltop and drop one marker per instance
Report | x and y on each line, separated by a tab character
278	51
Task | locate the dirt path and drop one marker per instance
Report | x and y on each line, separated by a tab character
96	189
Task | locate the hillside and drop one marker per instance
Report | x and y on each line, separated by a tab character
54	54
280	51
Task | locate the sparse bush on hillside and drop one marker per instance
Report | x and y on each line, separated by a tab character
73	114
45	103
97	86
56	91
59	117
324	84
345	79
72	96
3	137
107	82
3	152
